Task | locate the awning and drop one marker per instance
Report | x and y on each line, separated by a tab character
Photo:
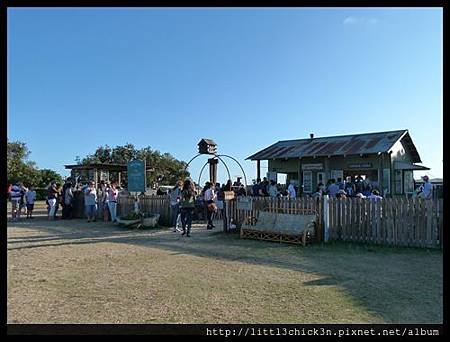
398	165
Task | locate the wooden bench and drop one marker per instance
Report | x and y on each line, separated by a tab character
281	227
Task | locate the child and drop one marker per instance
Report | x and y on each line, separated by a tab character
30	197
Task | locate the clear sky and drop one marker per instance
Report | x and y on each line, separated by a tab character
79	78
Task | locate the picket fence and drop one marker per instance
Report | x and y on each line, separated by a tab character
410	222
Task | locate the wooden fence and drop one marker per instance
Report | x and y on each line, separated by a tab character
151	204
410	222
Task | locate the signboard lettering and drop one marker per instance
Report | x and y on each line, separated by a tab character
316	166
360	165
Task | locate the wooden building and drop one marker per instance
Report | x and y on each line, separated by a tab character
388	159
99	171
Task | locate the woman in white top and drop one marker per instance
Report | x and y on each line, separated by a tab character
112	201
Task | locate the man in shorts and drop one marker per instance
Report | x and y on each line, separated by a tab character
15	195
30	197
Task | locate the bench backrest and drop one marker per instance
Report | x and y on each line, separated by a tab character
283	223
266	221
293	224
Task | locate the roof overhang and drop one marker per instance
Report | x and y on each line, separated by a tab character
398	165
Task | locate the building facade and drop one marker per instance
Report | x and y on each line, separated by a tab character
387	159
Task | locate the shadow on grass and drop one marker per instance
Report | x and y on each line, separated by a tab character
400	285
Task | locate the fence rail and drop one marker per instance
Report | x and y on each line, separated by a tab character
410	222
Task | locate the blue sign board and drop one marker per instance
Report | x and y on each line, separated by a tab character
136	175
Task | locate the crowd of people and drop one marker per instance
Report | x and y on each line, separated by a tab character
185	197
22	199
103	198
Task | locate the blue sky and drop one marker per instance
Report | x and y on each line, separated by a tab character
79	78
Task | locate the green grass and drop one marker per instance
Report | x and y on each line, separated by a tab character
63	272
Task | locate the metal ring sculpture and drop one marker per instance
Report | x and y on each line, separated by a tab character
228	171
242	169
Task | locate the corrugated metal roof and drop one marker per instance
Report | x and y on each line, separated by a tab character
365	143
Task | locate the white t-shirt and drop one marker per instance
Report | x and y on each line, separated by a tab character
112	195
291	191
210	195
375	197
427	190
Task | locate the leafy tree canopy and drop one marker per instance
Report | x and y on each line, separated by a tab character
20	169
166	169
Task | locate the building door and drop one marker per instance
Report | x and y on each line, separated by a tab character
307	182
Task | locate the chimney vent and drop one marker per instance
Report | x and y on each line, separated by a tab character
311	135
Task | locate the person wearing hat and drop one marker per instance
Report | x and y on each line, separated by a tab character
427	188
341	194
375	195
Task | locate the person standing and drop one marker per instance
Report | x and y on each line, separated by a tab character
210	199
51	200
175	196
291	190
14	197
113	193
349	189
427	188
58	199
187	205
30	197
103	202
22	202
90	202
273	191
68	201
333	188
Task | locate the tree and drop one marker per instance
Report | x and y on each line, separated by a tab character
165	166
19	169
47	176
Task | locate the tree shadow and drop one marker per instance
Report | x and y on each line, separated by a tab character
388	282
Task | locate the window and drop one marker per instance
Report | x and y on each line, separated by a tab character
398	182
386	182
336	174
408	181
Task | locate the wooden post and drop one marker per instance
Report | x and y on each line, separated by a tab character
326	218
258	169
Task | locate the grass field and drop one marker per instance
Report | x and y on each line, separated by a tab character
75	272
